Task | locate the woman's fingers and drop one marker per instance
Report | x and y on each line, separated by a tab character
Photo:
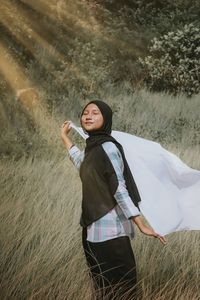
65	123
65	127
161	238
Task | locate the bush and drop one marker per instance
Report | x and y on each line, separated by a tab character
174	63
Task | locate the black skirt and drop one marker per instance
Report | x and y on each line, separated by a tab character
112	267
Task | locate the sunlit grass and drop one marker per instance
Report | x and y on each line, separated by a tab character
41	256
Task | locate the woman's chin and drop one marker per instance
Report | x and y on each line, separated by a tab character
89	128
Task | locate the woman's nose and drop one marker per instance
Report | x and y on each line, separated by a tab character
88	117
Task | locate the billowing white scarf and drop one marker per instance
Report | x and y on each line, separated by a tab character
169	189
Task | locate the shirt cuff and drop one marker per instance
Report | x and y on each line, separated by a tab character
129	213
134	216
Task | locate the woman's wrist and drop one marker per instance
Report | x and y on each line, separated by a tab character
67	142
138	221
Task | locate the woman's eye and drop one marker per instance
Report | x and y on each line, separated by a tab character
95	113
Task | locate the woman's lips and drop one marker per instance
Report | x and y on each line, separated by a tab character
88	123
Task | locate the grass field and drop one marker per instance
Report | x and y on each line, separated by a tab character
40	196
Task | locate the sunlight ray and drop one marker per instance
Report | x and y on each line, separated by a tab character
11	70
60	11
26	93
18	23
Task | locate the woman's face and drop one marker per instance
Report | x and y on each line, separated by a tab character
92	118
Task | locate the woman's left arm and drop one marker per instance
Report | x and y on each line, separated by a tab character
122	196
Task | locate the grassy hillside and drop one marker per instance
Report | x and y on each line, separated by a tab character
59	53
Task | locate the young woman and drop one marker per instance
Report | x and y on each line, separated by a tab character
109	204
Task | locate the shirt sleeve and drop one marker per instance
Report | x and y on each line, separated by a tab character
76	156
121	195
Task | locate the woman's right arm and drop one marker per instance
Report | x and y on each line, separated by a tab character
75	154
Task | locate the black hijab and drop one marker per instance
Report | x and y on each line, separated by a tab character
103	134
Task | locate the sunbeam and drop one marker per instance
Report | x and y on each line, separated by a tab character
26	93
11	70
69	15
20	24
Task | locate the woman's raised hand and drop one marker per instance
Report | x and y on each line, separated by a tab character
65	128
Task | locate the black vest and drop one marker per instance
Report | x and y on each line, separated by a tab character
99	184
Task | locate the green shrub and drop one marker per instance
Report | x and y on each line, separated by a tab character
174	62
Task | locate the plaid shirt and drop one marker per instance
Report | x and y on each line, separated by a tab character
116	222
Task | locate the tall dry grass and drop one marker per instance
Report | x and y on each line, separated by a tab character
40	239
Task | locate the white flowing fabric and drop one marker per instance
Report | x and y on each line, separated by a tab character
169	189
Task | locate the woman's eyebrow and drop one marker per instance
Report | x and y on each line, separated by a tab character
92	110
